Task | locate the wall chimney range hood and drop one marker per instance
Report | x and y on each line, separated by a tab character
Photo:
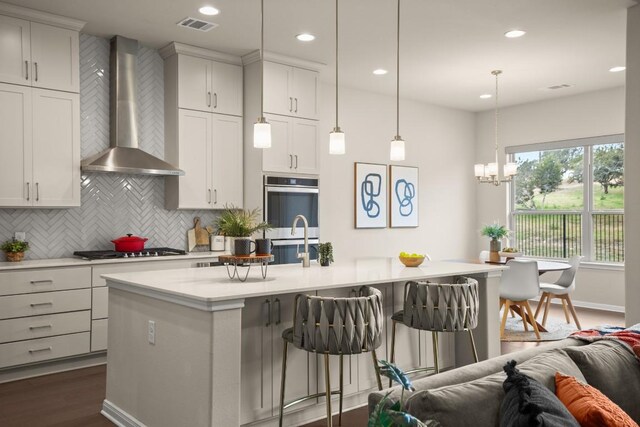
124	155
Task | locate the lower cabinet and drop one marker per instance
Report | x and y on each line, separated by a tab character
99	334
38	350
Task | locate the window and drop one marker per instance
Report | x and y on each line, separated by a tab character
568	199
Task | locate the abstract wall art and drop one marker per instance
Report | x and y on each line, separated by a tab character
370	195
403	194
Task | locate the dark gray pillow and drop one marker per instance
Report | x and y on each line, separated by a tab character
528	403
614	370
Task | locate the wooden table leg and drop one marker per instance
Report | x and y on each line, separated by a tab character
526	318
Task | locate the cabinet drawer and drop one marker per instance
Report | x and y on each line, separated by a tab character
99	335
44	280
44	303
100	303
23	352
26	328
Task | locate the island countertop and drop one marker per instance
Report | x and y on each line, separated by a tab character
203	286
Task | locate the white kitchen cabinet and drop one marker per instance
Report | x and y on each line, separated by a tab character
206	85
290	91
294	146
209	150
42	349
39	55
40	131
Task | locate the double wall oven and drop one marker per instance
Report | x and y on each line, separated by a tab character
284	198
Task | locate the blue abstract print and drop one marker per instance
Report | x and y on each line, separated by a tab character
370	190
405	192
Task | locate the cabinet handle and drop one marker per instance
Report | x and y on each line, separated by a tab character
40	304
37	350
290	161
32	328
209	198
296	156
290	104
277	301
37	190
268	302
28	191
208	99
26	70
38	282
296	105
215	100
35	64
215	197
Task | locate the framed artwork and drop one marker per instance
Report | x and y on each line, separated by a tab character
370	195
403	195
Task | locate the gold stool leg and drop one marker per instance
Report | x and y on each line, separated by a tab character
341	388
377	368
393	346
434	336
327	384
473	346
283	378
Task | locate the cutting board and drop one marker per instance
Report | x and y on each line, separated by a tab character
197	235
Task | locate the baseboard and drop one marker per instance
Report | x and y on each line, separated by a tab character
52	367
119	417
591	305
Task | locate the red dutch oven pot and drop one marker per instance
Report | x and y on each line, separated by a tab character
129	243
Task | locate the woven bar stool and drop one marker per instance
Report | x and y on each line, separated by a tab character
334	326
438	308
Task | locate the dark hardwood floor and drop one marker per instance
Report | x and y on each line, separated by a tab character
74	399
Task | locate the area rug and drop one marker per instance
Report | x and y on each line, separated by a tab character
557	329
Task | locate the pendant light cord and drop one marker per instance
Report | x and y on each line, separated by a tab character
398	74
337	127
262	59
496	73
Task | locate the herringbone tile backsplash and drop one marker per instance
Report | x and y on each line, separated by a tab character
112	204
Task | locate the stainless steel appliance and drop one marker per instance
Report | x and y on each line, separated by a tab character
147	252
284	199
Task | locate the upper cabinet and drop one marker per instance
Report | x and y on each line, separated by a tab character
203	80
39	55
290	91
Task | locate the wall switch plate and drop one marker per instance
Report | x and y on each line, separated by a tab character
152	332
20	235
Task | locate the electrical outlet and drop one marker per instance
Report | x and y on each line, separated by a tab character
152	332
20	235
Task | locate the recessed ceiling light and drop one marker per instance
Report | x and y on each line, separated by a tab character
208	10
306	37
380	72
513	34
617	69
485	96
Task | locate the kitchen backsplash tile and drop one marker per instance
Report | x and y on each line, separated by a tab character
112	204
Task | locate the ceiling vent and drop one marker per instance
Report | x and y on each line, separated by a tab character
557	87
197	24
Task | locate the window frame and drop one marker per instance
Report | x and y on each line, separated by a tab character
588	210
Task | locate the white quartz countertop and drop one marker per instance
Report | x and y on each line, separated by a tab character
80	262
208	285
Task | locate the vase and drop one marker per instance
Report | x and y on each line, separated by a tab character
324	262
495	246
14	256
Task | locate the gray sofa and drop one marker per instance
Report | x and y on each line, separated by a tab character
471	395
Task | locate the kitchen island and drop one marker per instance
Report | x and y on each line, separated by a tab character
192	347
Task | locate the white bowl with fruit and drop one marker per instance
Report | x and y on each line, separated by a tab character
510	253
411	260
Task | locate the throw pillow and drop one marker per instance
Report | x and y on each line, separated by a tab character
610	367
589	406
529	403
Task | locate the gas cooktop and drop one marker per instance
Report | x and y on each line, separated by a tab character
147	252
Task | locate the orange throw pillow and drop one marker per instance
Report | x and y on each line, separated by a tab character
588	405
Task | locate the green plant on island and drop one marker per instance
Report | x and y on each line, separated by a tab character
393	414
325	253
14	246
235	222
495	231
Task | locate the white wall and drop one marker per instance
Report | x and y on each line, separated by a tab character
586	115
440	141
632	158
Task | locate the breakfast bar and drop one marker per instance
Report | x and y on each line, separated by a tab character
198	333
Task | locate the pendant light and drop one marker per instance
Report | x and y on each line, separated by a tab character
397	143
262	128
488	174
336	136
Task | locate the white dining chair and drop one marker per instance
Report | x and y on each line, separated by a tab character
519	283
561	289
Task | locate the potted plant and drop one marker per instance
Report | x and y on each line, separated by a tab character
495	232
240	224
14	249
325	254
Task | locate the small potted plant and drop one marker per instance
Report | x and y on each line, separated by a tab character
14	249
240	224
325	254
495	232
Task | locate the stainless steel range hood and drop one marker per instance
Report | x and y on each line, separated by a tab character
125	156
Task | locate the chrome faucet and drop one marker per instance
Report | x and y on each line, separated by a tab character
304	256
